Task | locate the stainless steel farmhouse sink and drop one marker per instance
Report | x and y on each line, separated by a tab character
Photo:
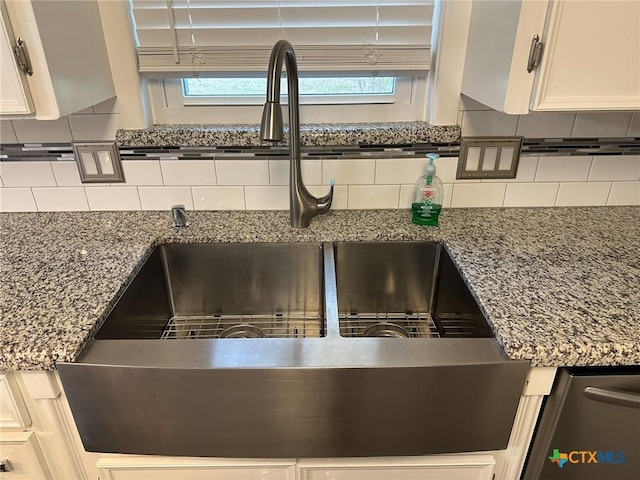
295	350
189	291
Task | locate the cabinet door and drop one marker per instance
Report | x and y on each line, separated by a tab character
168	468
500	33
14	96
591	58
435	467
22	457
13	411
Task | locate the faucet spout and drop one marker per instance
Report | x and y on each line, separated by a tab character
303	206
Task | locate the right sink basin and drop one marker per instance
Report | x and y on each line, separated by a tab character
404	290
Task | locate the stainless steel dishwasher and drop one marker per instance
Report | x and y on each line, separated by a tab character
589	428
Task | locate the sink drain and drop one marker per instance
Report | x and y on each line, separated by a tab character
242	331
386	329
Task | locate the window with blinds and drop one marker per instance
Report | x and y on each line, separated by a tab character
180	37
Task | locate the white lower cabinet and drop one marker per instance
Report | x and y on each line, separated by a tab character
21	457
164	468
437	467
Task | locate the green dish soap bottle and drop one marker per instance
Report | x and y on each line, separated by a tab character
427	201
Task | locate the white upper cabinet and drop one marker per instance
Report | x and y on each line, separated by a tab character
14	94
590	55
67	55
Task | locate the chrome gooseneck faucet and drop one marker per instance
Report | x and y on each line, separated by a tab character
302	205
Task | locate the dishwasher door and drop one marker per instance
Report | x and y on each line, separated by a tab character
589	428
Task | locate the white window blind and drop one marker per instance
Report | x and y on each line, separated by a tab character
178	37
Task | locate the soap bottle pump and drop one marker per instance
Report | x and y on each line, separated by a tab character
427	201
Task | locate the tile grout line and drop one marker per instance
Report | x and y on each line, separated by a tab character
555	202
86	197
504	195
33	195
590	170
606	202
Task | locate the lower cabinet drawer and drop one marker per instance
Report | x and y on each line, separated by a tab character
166	468
22	458
443	467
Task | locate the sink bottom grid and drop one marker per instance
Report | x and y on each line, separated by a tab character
292	325
410	325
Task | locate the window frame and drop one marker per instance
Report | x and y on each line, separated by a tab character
402	94
170	106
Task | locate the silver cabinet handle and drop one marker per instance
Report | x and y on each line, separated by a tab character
5	466
615	397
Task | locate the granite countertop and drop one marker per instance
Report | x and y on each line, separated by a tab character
310	135
559	286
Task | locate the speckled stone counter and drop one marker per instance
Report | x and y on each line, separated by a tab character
311	135
559	286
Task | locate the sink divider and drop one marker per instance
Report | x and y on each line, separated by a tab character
330	291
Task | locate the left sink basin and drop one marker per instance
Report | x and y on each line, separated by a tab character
217	291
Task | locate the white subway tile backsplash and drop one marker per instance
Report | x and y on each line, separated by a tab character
579	194
407	193
94	127
563	169
624	193
400	170
17	200
392	171
61	199
527	167
142	172
218	198
113	198
446	169
188	172
311	172
546	124
488	123
43	131
7	135
478	195
615	167
531	194
448	195
601	124
374	196
66	174
340	195
634	126
163	198
242	172
267	198
349	172
27	174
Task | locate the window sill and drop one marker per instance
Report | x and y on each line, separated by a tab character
311	135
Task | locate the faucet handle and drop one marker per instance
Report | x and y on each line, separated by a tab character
179	216
324	203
